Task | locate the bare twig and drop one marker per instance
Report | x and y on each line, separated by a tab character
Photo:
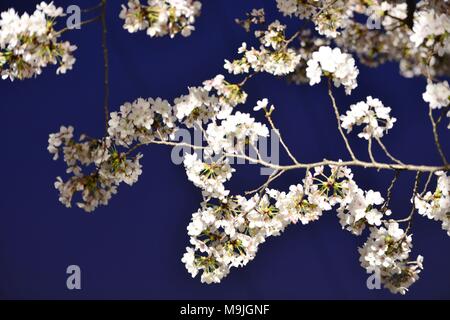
274	128
389	190
427	183
106	64
413	207
436	137
369	150
97	6
275	175
388	154
82	23
353	163
338	118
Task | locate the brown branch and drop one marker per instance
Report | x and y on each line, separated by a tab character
106	64
353	163
388	154
389	190
436	137
338	118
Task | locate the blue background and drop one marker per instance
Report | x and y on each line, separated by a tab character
132	248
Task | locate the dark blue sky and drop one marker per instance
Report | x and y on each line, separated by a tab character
132	248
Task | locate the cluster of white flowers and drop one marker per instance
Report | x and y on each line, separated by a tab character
335	64
436	205
227	230
432	29
28	43
109	168
234	133
209	176
438	96
228	233
255	17
273	56
142	121
371	113
361	210
229	94
386	252
155	120
384	12
328	15
161	17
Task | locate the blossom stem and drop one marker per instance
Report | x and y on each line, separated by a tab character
277	132
82	23
97	6
427	183
436	137
389	190
388	154
271	178
106	64
413	207
338	118
352	163
369	150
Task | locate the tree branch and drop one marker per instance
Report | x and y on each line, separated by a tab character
436	137
338	118
106	64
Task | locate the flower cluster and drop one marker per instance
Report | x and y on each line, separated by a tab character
371	113
227	230
228	233
273	56
29	43
146	121
432	30
386	253
436	205
161	17
340	67
235	133
255	17
109	168
438	95
208	176
328	15
142	121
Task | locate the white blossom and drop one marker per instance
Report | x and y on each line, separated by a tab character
372	114
208	176
437	95
387	251
332	62
161	17
29	43
436	205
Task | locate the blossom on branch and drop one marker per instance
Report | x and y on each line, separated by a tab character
371	113
29	43
161	17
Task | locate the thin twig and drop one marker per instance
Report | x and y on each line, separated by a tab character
427	183
274	128
369	150
436	137
97	6
275	175
414	192
106	64
353	163
388	154
389	190
82	23
338	118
